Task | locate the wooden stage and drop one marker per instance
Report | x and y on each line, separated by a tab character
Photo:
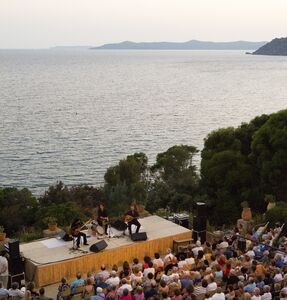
48	260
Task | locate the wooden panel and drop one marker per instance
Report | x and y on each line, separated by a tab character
181	243
52	273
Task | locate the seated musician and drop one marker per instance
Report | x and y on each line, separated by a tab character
76	232
103	218
131	218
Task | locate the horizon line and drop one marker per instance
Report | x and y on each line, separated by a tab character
90	46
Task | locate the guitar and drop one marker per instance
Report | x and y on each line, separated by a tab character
129	218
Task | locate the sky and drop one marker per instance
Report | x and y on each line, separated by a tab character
48	23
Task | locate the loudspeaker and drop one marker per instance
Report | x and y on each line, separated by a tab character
199	217
200	209
199	235
199	223
140	236
99	246
14	249
16	265
182	221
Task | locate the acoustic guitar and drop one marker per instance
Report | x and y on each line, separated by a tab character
129	218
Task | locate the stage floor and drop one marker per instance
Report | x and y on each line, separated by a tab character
53	250
48	260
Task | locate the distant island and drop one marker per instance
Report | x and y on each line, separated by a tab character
189	45
70	47
277	46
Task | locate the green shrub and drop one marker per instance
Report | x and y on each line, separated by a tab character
29	234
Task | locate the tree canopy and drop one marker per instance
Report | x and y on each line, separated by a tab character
269	152
229	174
126	182
174	180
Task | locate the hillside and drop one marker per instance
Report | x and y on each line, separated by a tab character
189	45
277	46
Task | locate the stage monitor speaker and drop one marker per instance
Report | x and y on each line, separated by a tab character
14	249
16	265
99	246
140	236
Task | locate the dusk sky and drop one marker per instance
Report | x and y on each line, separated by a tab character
47	23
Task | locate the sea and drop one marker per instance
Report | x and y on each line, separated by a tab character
69	114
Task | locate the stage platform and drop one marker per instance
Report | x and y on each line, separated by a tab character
48	260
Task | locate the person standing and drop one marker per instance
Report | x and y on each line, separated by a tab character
131	218
4	271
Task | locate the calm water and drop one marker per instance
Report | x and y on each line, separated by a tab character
69	114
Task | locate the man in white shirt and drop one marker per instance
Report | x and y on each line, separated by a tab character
4	269
169	257
197	248
148	270
103	273
124	285
114	280
256	294
267	295
250	253
218	295
278	276
212	286
15	292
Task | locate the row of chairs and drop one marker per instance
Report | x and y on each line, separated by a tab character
79	295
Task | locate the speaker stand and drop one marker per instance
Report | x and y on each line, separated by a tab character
75	248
